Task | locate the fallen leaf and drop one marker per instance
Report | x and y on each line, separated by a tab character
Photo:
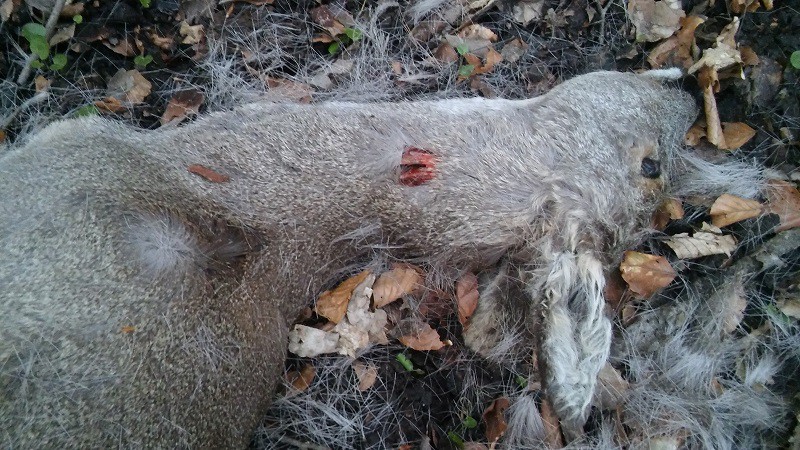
309	342
301	379
324	17
708	82
695	134
182	105
208	174
749	56
445	53
670	209
402	279
192	34
110	104
129	86
63	34
728	209
367	374
734	302
525	12
724	53
333	304
736	134
646	274
121	46
740	6
655	20
790	307
466	297
423	338
709	241
552	428
41	83
612	389
784	200
495	420
678	49
514	50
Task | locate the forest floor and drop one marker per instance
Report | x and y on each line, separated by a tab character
158	63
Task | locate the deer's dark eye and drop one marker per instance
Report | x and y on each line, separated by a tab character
651	168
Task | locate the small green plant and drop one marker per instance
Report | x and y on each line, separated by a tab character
794	59
348	36
469	422
59	61
141	61
86	110
407	364
145	3
455	439
36	36
466	70
462	49
77	18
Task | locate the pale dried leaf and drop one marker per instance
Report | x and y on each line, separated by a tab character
423	338
677	50
367	374
784	200
308	342
646	274
552	428
360	316
728	209
735	302
724	52
63	34
702	243
790	307
526	12
736	134
495	420
301	379
714	132
401	280
612	389
192	34
333	304
655	20
129	86
466	296
6	8
181	106
514	50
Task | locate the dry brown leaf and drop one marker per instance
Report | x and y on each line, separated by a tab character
182	105
324	17
728	209
695	134
709	241
646	274
784	200
129	86
677	50
708	82
466	296
749	56
790	307
495	420
367	374
164	43
552	428
62	35
423	338
477	32
723	54
333	304
736	134
670	209
514	50
402	279
527	11
611	388
301	379
192	34
655	20
740	6
445	53
41	83
109	104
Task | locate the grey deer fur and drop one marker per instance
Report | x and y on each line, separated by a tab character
144	305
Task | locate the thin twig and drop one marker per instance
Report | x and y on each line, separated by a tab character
49	28
6	121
